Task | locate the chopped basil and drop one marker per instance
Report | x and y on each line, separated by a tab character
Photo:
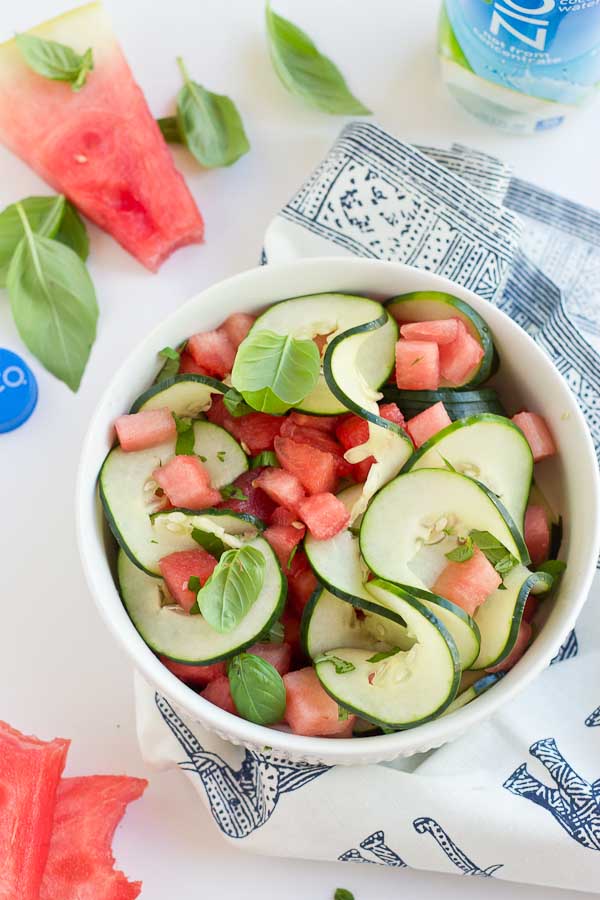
274	372
211	543
233	588
257	689
495	552
184	445
342	666
194	584
266	458
221	454
462	552
169	353
233	492
385	654
290	558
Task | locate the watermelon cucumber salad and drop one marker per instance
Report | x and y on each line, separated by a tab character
327	521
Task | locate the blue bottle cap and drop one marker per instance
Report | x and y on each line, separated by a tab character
18	391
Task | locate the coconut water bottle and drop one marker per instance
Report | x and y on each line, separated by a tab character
522	65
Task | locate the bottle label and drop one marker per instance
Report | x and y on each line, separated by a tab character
543	48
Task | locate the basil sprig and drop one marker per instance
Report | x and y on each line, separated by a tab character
257	689
208	124
274	372
52	217
305	72
53	303
232	589
55	61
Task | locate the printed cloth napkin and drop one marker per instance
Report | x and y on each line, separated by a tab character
519	797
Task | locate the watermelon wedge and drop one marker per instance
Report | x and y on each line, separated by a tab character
99	146
80	861
30	772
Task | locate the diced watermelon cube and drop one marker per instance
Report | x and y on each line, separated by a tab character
324	515
521	645
315	437
282	487
469	583
283	539
283	516
236	327
218	692
537	534
148	428
417	365
322	423
316	470
309	709
257	503
427	423
195	676
257	431
177	569
461	357
360	470
391	412
352	431
530	608
218	414
537	433
186	483
279	655
187	365
213	351
440	331
301	587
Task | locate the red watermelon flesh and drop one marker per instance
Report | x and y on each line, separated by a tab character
257	503
80	862
196	676
30	772
101	145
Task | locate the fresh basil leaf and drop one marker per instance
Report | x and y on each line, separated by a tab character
486	541
170	367
305	72
233	588
265	458
342	666
274	372
55	61
170	130
169	353
494	551
233	492
462	552
342	714
553	567
211	543
194	584
290	558
184	445
235	403
342	893
53	304
52	217
385	654
257	689
210	124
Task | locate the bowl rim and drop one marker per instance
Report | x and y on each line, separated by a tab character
240	731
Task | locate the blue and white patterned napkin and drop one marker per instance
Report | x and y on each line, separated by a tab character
519	797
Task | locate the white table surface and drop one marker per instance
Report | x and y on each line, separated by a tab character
60	672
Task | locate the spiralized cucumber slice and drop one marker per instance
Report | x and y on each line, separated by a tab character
499	618
459	404
488	448
185	395
171	632
406	689
474	690
349	367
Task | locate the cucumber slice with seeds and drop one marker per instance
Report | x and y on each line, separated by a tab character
326	314
488	448
427	306
127	489
403	690
185	395
169	631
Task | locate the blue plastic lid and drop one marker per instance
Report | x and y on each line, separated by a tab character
18	391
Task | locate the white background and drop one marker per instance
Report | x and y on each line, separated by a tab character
60	673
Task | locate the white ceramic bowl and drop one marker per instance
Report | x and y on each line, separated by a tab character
527	379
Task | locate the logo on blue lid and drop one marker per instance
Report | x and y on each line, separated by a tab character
18	391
